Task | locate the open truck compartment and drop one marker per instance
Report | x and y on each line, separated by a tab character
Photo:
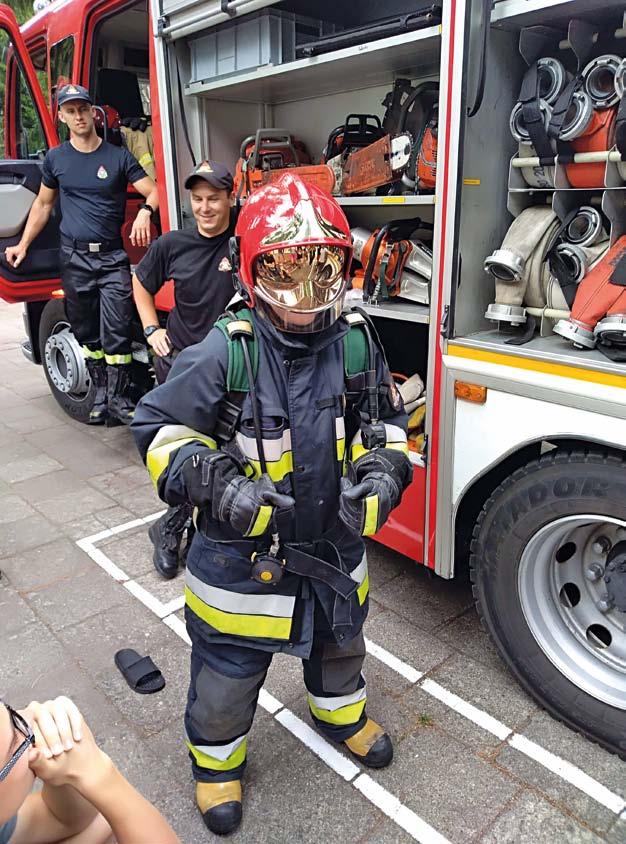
533	230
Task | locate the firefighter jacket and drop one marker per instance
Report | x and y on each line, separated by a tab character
306	428
141	145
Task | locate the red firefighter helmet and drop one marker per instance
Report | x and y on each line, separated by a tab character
295	251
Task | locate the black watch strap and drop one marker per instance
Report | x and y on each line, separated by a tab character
149	330
146	207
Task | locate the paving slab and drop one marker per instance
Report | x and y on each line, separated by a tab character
132	552
79	452
17	468
25	534
531	820
617	833
383	564
72	505
77	598
55	484
122	480
466	635
141	501
25	419
45	565
15	613
387	832
593	760
29	658
421	650
164	590
13	508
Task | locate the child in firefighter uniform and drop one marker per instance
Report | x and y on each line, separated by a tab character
285	430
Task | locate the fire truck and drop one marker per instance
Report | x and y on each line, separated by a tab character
520	470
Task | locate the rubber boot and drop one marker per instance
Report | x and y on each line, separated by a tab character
166	535
121	407
98	374
220	805
371	746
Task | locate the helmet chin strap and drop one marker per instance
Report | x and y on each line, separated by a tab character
235	262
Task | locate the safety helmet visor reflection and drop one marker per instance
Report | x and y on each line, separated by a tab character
303	278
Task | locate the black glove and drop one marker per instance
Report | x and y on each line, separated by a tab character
206	475
249	506
373	488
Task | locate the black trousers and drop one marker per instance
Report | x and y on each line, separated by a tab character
99	301
163	364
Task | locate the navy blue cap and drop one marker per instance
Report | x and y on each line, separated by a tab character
214	173
73	92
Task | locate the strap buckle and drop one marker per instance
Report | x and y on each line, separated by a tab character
94	247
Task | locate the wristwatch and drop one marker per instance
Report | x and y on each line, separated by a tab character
149	330
146	207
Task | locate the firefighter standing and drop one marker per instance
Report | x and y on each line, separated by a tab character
251	428
91	176
197	261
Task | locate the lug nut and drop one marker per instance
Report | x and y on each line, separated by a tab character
605	604
594	572
601	545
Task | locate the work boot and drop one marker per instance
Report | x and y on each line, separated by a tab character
371	746
220	805
166	535
121	407
98	375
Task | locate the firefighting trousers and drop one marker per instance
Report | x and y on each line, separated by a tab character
99	302
224	689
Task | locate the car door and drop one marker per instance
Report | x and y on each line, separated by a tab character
26	133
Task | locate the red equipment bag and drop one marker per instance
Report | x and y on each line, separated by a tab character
598	293
600	136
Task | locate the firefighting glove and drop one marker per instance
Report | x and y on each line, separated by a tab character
250	506
206	475
373	488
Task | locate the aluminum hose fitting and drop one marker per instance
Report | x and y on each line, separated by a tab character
574	259
576	332
513	314
612	330
579	116
516	121
620	79
586	228
599	80
552	79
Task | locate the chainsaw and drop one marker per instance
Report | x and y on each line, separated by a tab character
395	264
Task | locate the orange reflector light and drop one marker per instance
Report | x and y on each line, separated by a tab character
470	392
58	293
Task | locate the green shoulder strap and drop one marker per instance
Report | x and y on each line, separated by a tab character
234	326
355	348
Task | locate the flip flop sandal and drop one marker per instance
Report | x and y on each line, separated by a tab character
140	672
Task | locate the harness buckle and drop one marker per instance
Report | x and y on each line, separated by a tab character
94	247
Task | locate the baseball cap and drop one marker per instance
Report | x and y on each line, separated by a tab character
214	173
73	92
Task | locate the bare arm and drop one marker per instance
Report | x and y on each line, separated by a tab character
148	315
140	234
38	217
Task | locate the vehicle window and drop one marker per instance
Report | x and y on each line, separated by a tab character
21	132
61	66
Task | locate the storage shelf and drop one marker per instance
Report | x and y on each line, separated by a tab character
397	310
353	68
553	348
550	12
348	201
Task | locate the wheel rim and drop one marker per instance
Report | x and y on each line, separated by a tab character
562	593
65	363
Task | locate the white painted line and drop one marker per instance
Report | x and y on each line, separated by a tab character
174	605
566	770
146	598
313	740
467	710
570	773
399	813
102	560
153	517
407	671
269	702
178	626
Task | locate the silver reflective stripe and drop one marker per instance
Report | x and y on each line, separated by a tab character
340	427
172	433
330	704
360	571
279	606
274	449
220	751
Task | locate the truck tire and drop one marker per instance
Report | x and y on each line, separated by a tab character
537	563
63	362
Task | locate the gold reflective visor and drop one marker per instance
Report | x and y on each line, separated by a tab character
301	278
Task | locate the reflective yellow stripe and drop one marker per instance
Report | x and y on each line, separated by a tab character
349	714
203	760
117	360
168	439
146	158
238	624
276	469
262	521
98	354
341	448
363	590
371	515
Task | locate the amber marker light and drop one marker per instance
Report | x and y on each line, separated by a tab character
58	293
470	392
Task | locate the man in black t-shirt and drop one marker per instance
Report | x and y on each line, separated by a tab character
198	262
91	177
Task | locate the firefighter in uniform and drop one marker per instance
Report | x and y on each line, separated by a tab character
251	427
92	176
197	260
